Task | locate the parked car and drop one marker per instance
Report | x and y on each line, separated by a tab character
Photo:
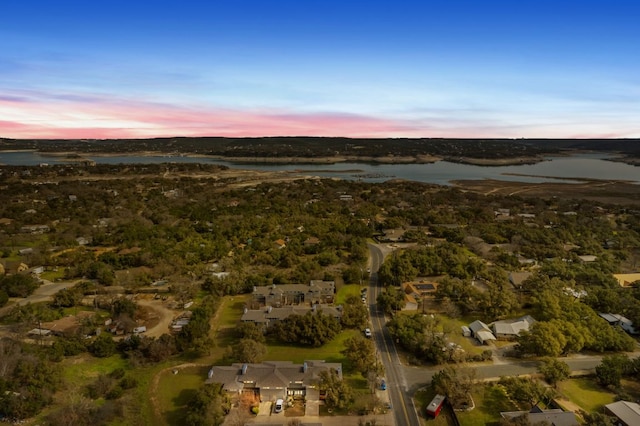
279	406
383	385
367	332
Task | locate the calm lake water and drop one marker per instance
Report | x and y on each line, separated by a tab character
554	169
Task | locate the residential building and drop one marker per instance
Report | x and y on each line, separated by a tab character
316	291
269	315
617	319
627	413
511	328
517	278
626	280
553	417
271	380
481	332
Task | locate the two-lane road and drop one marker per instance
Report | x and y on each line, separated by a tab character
403	408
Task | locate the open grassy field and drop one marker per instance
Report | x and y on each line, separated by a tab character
346	291
329	352
175	390
586	393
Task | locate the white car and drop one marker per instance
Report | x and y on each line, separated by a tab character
279	406
367	332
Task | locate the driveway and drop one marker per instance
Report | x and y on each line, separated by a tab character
312	400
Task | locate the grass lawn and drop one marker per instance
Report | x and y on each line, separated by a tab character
53	275
329	352
175	390
586	393
346	291
223	325
422	398
80	370
453	326
489	400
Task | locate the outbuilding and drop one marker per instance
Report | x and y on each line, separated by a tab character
435	406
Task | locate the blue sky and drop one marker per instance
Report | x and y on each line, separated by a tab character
363	69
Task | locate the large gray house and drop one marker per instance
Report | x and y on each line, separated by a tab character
317	291
271	380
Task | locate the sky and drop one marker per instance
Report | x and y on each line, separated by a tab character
431	68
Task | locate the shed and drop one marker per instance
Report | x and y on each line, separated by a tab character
466	331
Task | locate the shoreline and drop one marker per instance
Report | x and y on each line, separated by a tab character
76	156
390	159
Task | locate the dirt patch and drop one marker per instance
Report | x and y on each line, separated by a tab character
614	192
157	317
296	409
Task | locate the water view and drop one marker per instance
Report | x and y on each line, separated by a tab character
554	169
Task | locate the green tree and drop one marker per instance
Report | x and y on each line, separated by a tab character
103	346
610	371
207	407
18	285
390	300
543	338
250	330
456	384
248	350
526	390
354	313
338	393
554	371
360	353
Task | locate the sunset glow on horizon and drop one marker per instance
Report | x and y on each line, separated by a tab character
459	69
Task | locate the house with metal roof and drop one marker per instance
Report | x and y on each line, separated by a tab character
481	332
627	413
511	328
553	417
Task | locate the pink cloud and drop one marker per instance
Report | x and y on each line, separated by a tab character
42	115
77	118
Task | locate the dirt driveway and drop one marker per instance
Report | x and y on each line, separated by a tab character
165	316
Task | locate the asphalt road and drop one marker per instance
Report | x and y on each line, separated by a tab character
399	391
44	293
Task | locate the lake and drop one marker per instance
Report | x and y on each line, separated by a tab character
554	169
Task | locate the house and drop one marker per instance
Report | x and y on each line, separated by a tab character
69	325
517	278
553	417
626	280
588	258
466	331
417	292
34	229
627	413
617	319
271	380
15	267
316	291
269	315
481	332
511	328
311	241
